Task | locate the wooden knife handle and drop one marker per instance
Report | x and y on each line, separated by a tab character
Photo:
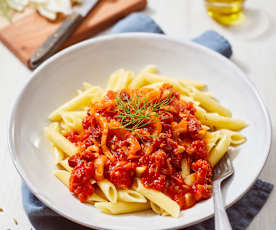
53	43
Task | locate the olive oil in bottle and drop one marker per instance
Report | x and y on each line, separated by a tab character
226	12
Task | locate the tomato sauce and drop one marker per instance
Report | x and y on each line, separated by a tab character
115	141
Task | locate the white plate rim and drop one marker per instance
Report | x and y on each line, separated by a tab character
250	84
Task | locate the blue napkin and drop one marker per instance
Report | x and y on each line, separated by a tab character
240	214
139	22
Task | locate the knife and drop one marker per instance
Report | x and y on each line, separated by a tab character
53	43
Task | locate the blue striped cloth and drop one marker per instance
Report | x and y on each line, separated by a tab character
240	214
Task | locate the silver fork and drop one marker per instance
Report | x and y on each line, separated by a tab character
222	171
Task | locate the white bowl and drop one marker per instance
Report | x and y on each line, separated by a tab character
56	81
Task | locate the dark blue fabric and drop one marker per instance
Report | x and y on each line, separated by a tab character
240	214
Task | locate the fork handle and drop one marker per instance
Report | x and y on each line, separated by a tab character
221	218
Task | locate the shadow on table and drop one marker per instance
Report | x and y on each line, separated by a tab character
256	25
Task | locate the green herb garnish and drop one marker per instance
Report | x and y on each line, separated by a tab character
138	112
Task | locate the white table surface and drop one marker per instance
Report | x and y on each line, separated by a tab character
254	45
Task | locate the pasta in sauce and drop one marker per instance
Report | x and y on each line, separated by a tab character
141	132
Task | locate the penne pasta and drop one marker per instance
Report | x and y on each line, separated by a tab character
138	82
128	195
212	139
153	136
185	167
64	164
215	121
150	69
142	80
63	176
196	84
64	128
155	208
158	198
156	85
220	122
121	207
140	170
82	100
120	79
219	150
155	78
100	193
189	200
78	92
210	104
109	190
190	179
189	99
235	137
95	197
151	73
86	86
57	154
60	141
112	81
55	126
73	120
124	80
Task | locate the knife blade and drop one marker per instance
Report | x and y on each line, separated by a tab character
55	40
85	7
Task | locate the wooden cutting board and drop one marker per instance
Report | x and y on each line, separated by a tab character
29	30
